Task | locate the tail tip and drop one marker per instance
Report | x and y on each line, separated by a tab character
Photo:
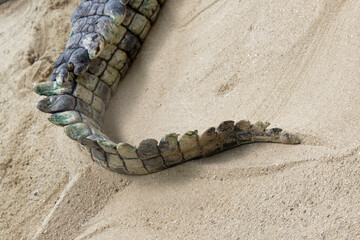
289	138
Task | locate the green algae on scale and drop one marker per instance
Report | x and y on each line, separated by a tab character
52	88
65	118
77	130
107	145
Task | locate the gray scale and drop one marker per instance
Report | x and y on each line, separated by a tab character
149	154
83	108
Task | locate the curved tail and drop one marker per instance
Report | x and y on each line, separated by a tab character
104	40
153	156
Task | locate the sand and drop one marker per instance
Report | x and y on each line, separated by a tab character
292	63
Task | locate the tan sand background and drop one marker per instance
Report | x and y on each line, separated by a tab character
293	63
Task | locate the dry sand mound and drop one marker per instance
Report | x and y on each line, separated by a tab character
292	63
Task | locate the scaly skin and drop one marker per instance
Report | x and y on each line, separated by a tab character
105	38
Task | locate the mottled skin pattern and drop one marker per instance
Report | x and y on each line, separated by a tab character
105	38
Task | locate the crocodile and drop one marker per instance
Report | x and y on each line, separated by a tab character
105	37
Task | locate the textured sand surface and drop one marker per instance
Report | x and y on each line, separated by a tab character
294	63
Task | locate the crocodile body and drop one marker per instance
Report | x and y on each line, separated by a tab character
105	37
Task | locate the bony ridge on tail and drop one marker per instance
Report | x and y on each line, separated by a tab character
105	38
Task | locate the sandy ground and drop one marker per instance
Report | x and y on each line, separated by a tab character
293	63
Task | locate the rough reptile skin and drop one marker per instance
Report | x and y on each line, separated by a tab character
105	37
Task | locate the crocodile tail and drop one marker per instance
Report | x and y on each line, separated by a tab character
153	156
104	40
150	155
